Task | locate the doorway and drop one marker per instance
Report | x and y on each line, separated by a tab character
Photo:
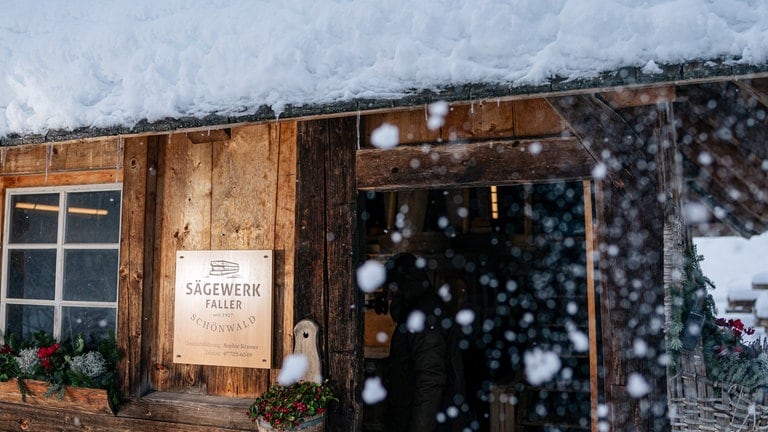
515	260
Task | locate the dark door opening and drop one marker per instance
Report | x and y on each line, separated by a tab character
513	260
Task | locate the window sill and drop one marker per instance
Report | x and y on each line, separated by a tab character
81	399
222	412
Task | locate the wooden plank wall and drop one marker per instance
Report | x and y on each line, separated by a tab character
470	122
235	194
69	156
136	178
221	195
326	245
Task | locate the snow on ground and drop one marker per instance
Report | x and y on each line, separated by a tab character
81	63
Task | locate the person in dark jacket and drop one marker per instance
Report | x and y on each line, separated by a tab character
417	375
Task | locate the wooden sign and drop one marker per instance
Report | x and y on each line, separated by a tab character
223	309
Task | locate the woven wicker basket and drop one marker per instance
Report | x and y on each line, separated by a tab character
698	404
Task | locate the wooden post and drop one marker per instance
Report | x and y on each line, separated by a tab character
631	255
326	244
591	248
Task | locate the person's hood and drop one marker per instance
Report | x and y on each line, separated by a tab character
409	286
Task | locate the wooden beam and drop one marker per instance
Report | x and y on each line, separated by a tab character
610	139
79	155
756	88
147	361
712	229
470	121
62	178
326	201
180	408
591	251
746	185
285	241
731	115
345	301
716	198
632	97
630	220
727	122
503	162
190	417
670	170
211	135
311	284
131	272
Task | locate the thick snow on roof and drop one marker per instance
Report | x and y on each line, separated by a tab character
761	306
743	294
79	63
760	278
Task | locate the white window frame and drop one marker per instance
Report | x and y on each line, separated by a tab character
57	303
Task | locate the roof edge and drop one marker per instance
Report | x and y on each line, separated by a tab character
676	74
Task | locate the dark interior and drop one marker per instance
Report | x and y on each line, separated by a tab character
516	257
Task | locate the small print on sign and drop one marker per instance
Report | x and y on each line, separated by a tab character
223	310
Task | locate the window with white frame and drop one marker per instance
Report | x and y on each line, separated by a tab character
60	268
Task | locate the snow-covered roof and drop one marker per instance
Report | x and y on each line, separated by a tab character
123	64
760	278
743	295
761	306
739	283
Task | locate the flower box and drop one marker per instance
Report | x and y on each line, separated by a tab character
314	424
81	399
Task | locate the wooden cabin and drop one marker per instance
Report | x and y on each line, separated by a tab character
742	300
542	209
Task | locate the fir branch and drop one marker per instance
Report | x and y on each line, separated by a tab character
23	389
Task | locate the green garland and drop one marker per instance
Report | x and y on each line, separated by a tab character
684	297
69	363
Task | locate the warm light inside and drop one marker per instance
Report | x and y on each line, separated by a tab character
494	203
53	208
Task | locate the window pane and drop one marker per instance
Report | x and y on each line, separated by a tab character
93	217
34	218
89	322
32	274
25	320
90	275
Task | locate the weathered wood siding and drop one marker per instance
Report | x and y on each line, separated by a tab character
473	121
233	194
221	195
326	246
631	243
